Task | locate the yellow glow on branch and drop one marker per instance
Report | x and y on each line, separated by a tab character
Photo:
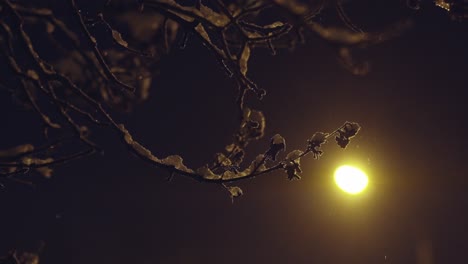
443	4
350	179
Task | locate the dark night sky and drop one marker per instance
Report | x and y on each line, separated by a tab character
412	107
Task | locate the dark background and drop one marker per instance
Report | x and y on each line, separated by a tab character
412	108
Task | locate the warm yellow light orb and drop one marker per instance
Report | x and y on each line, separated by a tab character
350	179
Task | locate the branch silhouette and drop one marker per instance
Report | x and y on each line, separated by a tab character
107	52
98	70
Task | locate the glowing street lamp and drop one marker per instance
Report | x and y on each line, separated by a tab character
350	179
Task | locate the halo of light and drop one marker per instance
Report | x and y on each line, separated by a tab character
350	179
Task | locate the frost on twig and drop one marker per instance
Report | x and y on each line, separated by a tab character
106	60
